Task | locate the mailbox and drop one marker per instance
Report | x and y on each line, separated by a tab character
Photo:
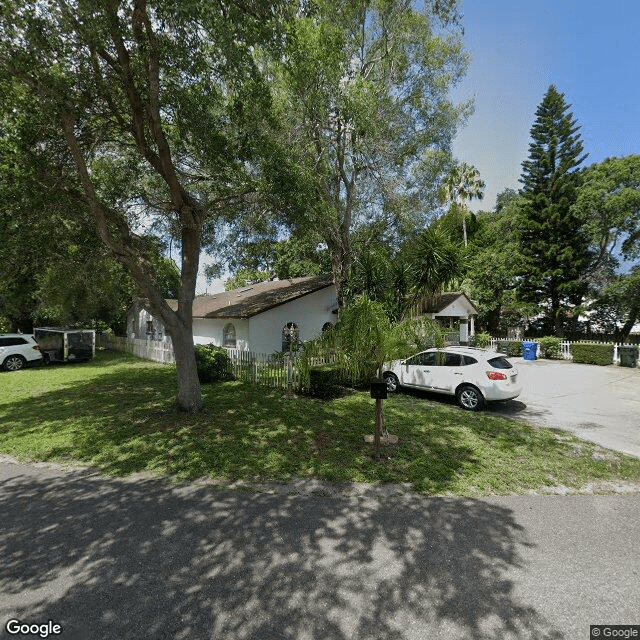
378	389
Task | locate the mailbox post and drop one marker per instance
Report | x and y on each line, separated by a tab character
379	393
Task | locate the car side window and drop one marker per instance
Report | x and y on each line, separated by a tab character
11	342
450	359
429	359
422	360
466	360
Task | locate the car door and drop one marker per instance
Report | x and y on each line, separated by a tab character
448	373
417	370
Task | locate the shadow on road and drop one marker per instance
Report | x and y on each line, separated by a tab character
118	559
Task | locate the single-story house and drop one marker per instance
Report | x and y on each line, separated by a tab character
261	317
451	308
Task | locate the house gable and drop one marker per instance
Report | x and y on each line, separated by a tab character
452	304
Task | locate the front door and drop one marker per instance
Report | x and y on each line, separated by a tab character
417	371
449	372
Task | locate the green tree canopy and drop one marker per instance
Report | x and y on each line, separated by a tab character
159	111
608	200
364	90
462	184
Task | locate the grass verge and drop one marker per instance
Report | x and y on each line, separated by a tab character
115	413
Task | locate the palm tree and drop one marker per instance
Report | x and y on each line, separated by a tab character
432	263
462	184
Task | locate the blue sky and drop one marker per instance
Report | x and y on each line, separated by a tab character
589	50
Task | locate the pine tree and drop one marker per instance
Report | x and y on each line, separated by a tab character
553	242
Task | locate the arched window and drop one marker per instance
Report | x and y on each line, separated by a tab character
290	335
229	336
327	326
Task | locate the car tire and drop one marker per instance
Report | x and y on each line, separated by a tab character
14	363
392	382
469	398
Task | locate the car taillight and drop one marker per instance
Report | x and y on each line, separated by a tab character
494	375
36	347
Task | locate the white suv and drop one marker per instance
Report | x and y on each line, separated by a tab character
473	376
16	349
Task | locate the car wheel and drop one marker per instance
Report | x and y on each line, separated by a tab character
14	363
392	382
469	398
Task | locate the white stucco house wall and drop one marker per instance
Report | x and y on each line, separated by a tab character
258	318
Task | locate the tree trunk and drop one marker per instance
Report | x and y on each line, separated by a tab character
189	393
464	226
629	324
555	316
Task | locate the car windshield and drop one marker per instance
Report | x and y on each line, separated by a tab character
500	363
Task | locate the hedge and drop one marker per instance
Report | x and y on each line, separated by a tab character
550	347
324	382
213	363
592	353
481	340
513	348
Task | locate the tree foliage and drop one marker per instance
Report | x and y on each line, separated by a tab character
608	200
462	184
364	88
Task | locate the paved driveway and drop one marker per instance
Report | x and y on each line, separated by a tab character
600	404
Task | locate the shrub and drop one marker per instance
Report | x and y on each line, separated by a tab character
482	340
413	335
213	363
550	347
592	353
514	348
323	382
362	339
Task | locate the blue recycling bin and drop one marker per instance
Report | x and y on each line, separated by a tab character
529	350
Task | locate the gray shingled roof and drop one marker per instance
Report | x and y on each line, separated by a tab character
438	303
251	300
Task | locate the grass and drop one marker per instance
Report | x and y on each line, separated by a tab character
116	413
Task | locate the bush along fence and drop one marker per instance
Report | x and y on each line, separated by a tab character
585	351
218	363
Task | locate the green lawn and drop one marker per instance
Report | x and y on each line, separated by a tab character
116	413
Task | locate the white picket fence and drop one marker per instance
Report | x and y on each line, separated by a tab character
565	347
258	368
155	350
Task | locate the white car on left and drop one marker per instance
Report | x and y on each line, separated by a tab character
18	349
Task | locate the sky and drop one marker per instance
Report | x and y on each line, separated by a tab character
589	50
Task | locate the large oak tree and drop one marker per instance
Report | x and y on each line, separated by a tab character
161	107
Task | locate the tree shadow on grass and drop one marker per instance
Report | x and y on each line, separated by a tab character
114	559
123	422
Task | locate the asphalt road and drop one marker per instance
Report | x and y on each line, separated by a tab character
112	559
600	404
